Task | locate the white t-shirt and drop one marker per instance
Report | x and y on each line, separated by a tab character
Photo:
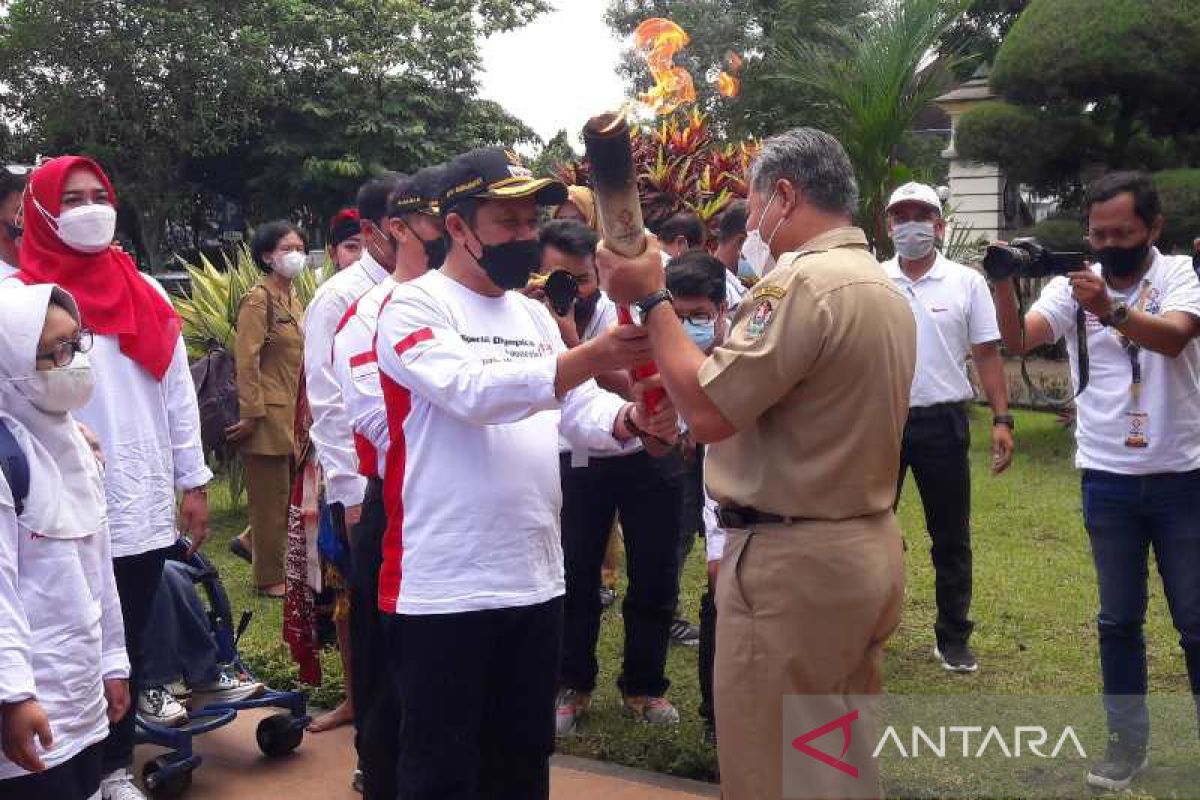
1170	392
472	482
7	270
357	369
735	290
954	311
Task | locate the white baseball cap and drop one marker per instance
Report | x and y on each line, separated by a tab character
916	193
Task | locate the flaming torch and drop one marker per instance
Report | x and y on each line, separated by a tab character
606	140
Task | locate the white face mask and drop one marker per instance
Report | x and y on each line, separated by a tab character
88	229
914	240
62	389
755	249
290	264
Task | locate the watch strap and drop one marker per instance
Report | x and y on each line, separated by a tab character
646	304
1116	315
1006	420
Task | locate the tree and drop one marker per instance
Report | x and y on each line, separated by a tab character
980	30
557	152
281	104
869	85
141	86
1106	83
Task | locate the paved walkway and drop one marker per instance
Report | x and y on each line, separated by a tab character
234	768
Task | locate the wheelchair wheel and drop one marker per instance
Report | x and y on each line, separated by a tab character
279	734
163	780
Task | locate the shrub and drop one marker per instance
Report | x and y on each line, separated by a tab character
1180	192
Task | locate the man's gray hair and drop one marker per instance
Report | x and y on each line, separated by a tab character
814	162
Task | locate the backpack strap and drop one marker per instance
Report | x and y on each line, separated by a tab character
14	466
270	309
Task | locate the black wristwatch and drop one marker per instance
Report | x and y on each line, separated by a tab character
1116	316
641	309
1006	420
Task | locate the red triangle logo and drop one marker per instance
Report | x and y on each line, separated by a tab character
842	723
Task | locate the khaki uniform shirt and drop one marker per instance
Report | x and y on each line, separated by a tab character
268	370
815	376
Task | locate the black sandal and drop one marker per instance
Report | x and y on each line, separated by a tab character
238	549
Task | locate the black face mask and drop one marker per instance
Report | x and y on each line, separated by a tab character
508	265
1121	262
435	252
585	307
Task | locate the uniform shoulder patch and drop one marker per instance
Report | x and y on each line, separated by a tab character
764	310
772	291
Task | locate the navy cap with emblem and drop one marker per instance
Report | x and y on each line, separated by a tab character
419	193
496	173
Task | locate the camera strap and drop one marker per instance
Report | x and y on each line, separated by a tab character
1081	347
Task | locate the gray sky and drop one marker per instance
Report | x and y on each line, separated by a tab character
558	71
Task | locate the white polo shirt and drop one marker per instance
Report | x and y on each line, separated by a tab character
954	311
1170	391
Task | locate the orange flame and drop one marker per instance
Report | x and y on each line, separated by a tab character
659	40
728	85
727	82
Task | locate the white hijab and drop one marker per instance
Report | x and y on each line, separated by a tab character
66	489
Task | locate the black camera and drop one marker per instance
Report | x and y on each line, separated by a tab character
560	288
1028	258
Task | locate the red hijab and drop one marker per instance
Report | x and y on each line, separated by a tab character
114	299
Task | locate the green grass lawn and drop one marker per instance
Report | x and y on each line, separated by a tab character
1034	605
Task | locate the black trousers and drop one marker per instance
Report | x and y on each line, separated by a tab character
645	492
376	713
477	689
137	580
77	778
707	657
936	444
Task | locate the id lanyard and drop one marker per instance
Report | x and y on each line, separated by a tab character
1139	421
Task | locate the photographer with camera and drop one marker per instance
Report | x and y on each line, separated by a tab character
1137	432
955	319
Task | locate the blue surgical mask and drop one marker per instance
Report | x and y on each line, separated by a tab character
704	335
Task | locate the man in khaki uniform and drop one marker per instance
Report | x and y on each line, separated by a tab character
805	404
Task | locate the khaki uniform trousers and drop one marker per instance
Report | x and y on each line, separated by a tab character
801	609
268	491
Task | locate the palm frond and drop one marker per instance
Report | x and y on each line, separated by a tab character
870	83
209	314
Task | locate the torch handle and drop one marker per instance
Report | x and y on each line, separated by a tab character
654	397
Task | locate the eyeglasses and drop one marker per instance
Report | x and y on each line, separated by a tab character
64	352
698	318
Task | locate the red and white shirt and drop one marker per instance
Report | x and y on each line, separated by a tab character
357	371
472	483
330	430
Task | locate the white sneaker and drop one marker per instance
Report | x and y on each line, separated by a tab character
180	691
119	786
227	688
157	705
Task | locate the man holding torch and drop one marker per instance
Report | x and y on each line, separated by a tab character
805	404
478	385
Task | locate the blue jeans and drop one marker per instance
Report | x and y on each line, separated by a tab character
1125	515
179	641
